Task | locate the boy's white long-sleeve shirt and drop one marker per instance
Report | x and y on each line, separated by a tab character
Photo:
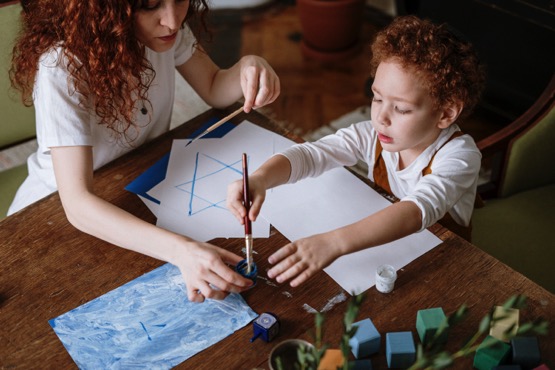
62	121
451	187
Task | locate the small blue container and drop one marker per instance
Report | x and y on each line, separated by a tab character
242	269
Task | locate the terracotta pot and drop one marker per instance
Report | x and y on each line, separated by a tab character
330	28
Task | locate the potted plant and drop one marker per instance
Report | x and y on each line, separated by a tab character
431	357
330	28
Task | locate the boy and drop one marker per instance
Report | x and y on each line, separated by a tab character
425	79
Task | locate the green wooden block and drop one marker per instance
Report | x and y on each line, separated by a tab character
488	356
428	322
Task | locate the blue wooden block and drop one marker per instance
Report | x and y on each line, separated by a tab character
366	340
364	364
428	322
400	349
526	351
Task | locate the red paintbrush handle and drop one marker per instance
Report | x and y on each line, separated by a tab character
246	195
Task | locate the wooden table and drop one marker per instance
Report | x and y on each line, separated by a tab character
49	268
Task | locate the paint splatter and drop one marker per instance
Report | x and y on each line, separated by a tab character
341	297
268	282
287	294
309	309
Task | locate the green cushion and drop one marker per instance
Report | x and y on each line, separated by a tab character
528	166
18	122
10	180
519	231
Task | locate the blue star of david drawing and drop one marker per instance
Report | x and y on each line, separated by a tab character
206	168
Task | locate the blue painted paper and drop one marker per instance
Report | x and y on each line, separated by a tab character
148	323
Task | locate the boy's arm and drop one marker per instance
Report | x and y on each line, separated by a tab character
301	259
275	171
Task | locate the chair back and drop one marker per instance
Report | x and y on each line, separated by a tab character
17	122
518	157
529	163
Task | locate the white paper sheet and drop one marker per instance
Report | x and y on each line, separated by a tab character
194	191
335	199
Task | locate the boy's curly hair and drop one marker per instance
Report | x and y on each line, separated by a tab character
448	66
106	61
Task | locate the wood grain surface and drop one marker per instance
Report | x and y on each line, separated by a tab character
49	268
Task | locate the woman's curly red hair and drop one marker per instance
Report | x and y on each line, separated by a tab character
106	62
448	66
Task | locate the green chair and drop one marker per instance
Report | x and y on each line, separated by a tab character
17	122
517	223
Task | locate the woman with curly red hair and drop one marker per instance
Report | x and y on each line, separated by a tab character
425	80
101	76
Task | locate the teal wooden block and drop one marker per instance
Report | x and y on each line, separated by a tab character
399	349
428	322
364	364
490	356
366	340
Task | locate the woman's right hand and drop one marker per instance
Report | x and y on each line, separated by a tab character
205	269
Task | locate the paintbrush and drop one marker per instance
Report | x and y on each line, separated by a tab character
216	125
247	221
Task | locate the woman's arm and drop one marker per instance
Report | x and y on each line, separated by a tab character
201	264
251	77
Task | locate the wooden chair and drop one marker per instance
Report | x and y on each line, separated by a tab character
17	122
517	223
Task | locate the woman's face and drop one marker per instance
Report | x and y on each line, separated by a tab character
156	24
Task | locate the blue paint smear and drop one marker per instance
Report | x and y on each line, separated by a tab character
148	323
157	172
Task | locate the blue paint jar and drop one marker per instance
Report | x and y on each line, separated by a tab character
241	268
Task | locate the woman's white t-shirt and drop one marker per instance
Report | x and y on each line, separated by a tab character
62	121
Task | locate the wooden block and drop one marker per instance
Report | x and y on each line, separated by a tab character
364	364
494	355
400	349
507	367
498	328
366	340
541	367
526	351
333	359
428	322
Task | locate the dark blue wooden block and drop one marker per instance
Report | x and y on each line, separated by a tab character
400	349
365	364
366	340
526	351
507	367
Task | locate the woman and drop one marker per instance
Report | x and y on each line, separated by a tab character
101	77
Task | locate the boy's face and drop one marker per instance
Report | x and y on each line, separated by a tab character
402	112
156	25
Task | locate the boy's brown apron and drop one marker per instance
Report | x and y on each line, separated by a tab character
381	180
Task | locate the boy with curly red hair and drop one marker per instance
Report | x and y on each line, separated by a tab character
101	77
425	80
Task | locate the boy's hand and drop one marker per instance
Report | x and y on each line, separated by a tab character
234	200
302	259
